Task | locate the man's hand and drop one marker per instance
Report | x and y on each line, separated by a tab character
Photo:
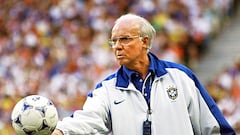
57	132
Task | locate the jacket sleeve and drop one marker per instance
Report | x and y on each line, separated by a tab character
206	117
93	119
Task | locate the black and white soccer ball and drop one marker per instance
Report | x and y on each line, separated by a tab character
34	115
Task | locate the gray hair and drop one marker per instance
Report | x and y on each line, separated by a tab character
146	29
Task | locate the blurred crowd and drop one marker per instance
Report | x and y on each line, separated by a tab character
225	89
59	48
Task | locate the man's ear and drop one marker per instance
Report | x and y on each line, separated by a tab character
145	42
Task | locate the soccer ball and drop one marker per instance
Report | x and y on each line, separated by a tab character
34	115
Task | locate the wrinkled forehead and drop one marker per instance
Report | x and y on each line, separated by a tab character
125	27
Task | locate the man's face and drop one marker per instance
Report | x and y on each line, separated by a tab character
129	47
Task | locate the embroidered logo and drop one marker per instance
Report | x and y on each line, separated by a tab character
172	92
118	101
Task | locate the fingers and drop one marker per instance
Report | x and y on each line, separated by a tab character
57	132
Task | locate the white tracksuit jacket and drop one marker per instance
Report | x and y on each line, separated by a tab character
180	106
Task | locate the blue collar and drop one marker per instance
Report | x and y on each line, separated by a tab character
124	74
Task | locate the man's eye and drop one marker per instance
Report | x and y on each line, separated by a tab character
114	40
123	39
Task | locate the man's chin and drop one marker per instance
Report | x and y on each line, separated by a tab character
122	62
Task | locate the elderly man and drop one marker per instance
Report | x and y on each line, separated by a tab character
146	96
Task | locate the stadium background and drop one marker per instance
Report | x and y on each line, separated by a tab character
58	48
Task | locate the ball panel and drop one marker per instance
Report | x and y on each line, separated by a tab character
31	119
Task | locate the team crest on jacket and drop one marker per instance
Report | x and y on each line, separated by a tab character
172	92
